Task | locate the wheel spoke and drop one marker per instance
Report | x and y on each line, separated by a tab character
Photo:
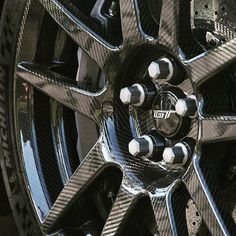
211	62
164	215
59	88
217	128
129	21
124	201
91	166
169	24
203	199
90	42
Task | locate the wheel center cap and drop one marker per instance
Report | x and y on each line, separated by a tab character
165	118
168	123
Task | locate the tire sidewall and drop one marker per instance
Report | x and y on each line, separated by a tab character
11	165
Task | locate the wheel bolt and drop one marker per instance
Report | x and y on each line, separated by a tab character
138	94
141	147
177	155
134	95
186	106
161	69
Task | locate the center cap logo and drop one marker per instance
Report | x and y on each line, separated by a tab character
159	114
165	118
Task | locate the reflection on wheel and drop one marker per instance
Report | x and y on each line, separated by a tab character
117	117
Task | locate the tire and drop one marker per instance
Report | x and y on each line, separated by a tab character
22	212
118	117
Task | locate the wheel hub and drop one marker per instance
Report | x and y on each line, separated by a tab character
170	109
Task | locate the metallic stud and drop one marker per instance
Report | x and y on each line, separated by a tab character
134	95
177	155
212	40
141	147
186	106
161	69
114	9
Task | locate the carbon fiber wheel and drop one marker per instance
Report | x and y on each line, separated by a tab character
118	117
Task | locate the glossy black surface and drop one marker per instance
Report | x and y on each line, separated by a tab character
119	124
28	142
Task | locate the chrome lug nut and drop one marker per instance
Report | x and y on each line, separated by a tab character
186	106
177	155
134	95
141	147
161	69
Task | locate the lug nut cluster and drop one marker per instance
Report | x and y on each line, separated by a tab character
137	95
146	146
